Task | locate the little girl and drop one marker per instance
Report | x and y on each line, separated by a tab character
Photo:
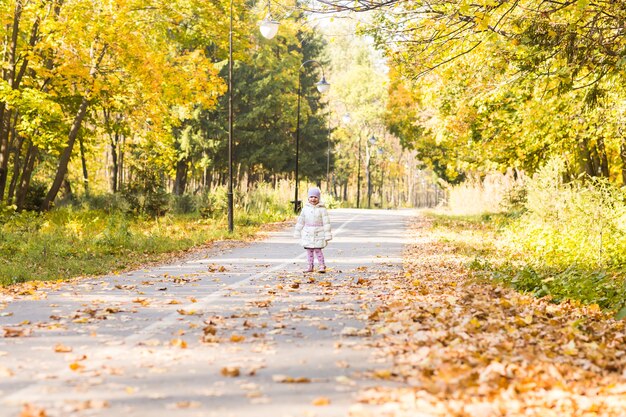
313	229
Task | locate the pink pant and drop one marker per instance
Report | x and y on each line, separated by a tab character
318	253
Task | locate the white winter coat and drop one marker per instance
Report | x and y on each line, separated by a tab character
313	226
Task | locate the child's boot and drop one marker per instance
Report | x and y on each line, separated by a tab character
309	269
322	269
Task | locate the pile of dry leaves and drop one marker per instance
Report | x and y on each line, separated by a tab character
466	348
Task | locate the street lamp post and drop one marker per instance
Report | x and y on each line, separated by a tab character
269	28
328	155
382	177
372	141
358	176
231	223
322	87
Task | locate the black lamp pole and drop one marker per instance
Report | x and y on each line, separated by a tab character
231	225
296	203
358	176
328	155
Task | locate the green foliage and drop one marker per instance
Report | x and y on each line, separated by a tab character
214	204
580	222
6	212
35	195
145	192
567	243
183	204
331	201
471	95
264	204
109	203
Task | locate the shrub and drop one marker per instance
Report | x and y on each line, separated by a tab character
495	193
214	204
183	204
109	203
579	222
35	195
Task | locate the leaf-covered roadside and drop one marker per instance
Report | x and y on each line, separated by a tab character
466	347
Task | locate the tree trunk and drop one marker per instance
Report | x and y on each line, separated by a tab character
114	140
121	157
84	164
4	149
585	157
65	156
8	74
603	159
16	168
114	146
180	181
622	155
24	184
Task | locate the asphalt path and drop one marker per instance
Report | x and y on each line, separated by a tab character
236	332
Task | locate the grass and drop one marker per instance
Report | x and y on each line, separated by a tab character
484	240
68	243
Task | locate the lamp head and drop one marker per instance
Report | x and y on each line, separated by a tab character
322	85
269	27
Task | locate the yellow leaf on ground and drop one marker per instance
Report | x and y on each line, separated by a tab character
75	366
231	371
60	348
29	410
5	372
178	343
383	374
236	338
284	379
321	401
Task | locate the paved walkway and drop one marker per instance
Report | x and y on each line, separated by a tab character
240	333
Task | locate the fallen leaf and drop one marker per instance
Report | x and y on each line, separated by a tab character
75	366
60	348
236	338
180	343
16	332
29	410
350	331
383	374
321	401
6	372
184	405
187	313
231	371
284	379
